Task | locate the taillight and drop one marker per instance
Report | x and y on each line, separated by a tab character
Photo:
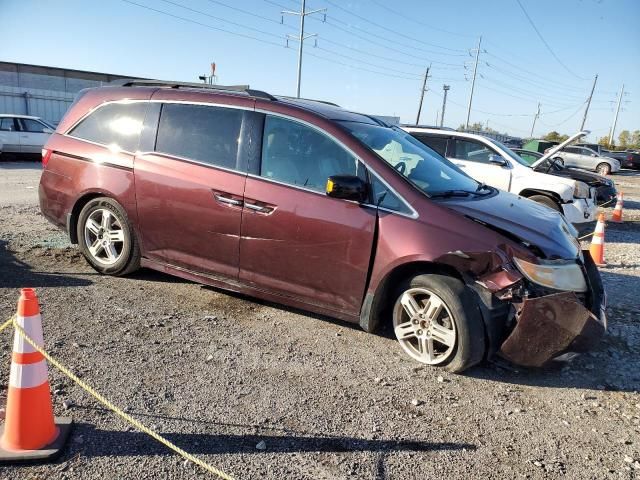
46	155
629	158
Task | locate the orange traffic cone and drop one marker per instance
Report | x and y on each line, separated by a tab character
597	243
617	212
30	431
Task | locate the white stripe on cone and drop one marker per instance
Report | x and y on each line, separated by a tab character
28	375
33	328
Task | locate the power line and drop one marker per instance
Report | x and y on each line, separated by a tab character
545	42
382	5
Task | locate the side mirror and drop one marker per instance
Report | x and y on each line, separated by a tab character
497	160
347	187
594	155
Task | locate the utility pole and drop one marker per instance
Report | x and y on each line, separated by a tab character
615	117
473	82
586	110
445	89
422	90
535	117
302	37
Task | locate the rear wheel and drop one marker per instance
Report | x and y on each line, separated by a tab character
546	201
437	322
106	237
603	169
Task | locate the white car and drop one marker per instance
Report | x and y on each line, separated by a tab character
23	134
491	162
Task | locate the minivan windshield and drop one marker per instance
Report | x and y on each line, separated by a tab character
422	166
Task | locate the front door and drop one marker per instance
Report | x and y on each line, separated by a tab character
475	157
296	241
189	191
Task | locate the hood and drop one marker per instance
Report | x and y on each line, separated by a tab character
531	222
582	176
553	150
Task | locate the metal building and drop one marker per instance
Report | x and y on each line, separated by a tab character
45	92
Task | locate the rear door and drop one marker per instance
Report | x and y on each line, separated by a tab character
9	135
33	135
571	157
296	241
474	159
190	185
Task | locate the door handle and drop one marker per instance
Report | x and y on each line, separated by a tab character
259	208
228	201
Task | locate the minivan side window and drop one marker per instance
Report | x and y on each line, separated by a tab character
385	198
472	151
203	133
116	125
295	154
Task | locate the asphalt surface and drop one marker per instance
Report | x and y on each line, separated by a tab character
218	374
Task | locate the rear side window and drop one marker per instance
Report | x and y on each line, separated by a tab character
472	151
439	144
198	132
6	124
116	125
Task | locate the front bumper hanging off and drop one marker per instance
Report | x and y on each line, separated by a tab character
548	326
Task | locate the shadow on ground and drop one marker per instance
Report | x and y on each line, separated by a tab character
17	274
98	443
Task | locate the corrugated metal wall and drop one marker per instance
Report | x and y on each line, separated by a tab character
45	92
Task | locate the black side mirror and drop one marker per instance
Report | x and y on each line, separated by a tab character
497	160
347	187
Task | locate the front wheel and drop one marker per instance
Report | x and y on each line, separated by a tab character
437	322
106	237
603	169
546	201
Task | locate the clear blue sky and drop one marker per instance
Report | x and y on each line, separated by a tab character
373	67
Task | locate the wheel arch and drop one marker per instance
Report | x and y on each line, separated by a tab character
72	217
529	192
376	304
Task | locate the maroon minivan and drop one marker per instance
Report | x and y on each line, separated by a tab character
304	203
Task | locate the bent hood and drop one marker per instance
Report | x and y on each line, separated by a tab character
531	222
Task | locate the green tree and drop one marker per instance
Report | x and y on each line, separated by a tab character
554	136
635	139
604	141
624	139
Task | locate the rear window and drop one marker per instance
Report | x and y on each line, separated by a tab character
116	125
197	132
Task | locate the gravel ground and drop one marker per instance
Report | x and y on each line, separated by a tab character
218	374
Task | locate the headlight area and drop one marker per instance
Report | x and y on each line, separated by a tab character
581	190
561	275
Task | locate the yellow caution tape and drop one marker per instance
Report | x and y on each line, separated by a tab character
128	418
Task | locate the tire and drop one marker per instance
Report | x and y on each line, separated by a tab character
546	201
603	168
458	315
106	237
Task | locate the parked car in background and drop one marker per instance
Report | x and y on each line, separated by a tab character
23	134
627	158
305	203
605	187
491	162
583	157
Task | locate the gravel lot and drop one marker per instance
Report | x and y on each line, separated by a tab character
219	373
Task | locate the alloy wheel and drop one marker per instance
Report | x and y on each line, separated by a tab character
104	236
424	326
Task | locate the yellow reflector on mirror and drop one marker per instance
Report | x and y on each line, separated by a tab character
329	186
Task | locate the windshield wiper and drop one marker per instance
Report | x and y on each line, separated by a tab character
483	186
452	193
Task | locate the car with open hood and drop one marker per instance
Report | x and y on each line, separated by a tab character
606	193
489	161
304	203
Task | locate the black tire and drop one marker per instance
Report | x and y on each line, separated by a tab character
128	259
469	348
603	168
546	201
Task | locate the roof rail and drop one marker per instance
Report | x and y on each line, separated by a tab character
221	88
286	97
